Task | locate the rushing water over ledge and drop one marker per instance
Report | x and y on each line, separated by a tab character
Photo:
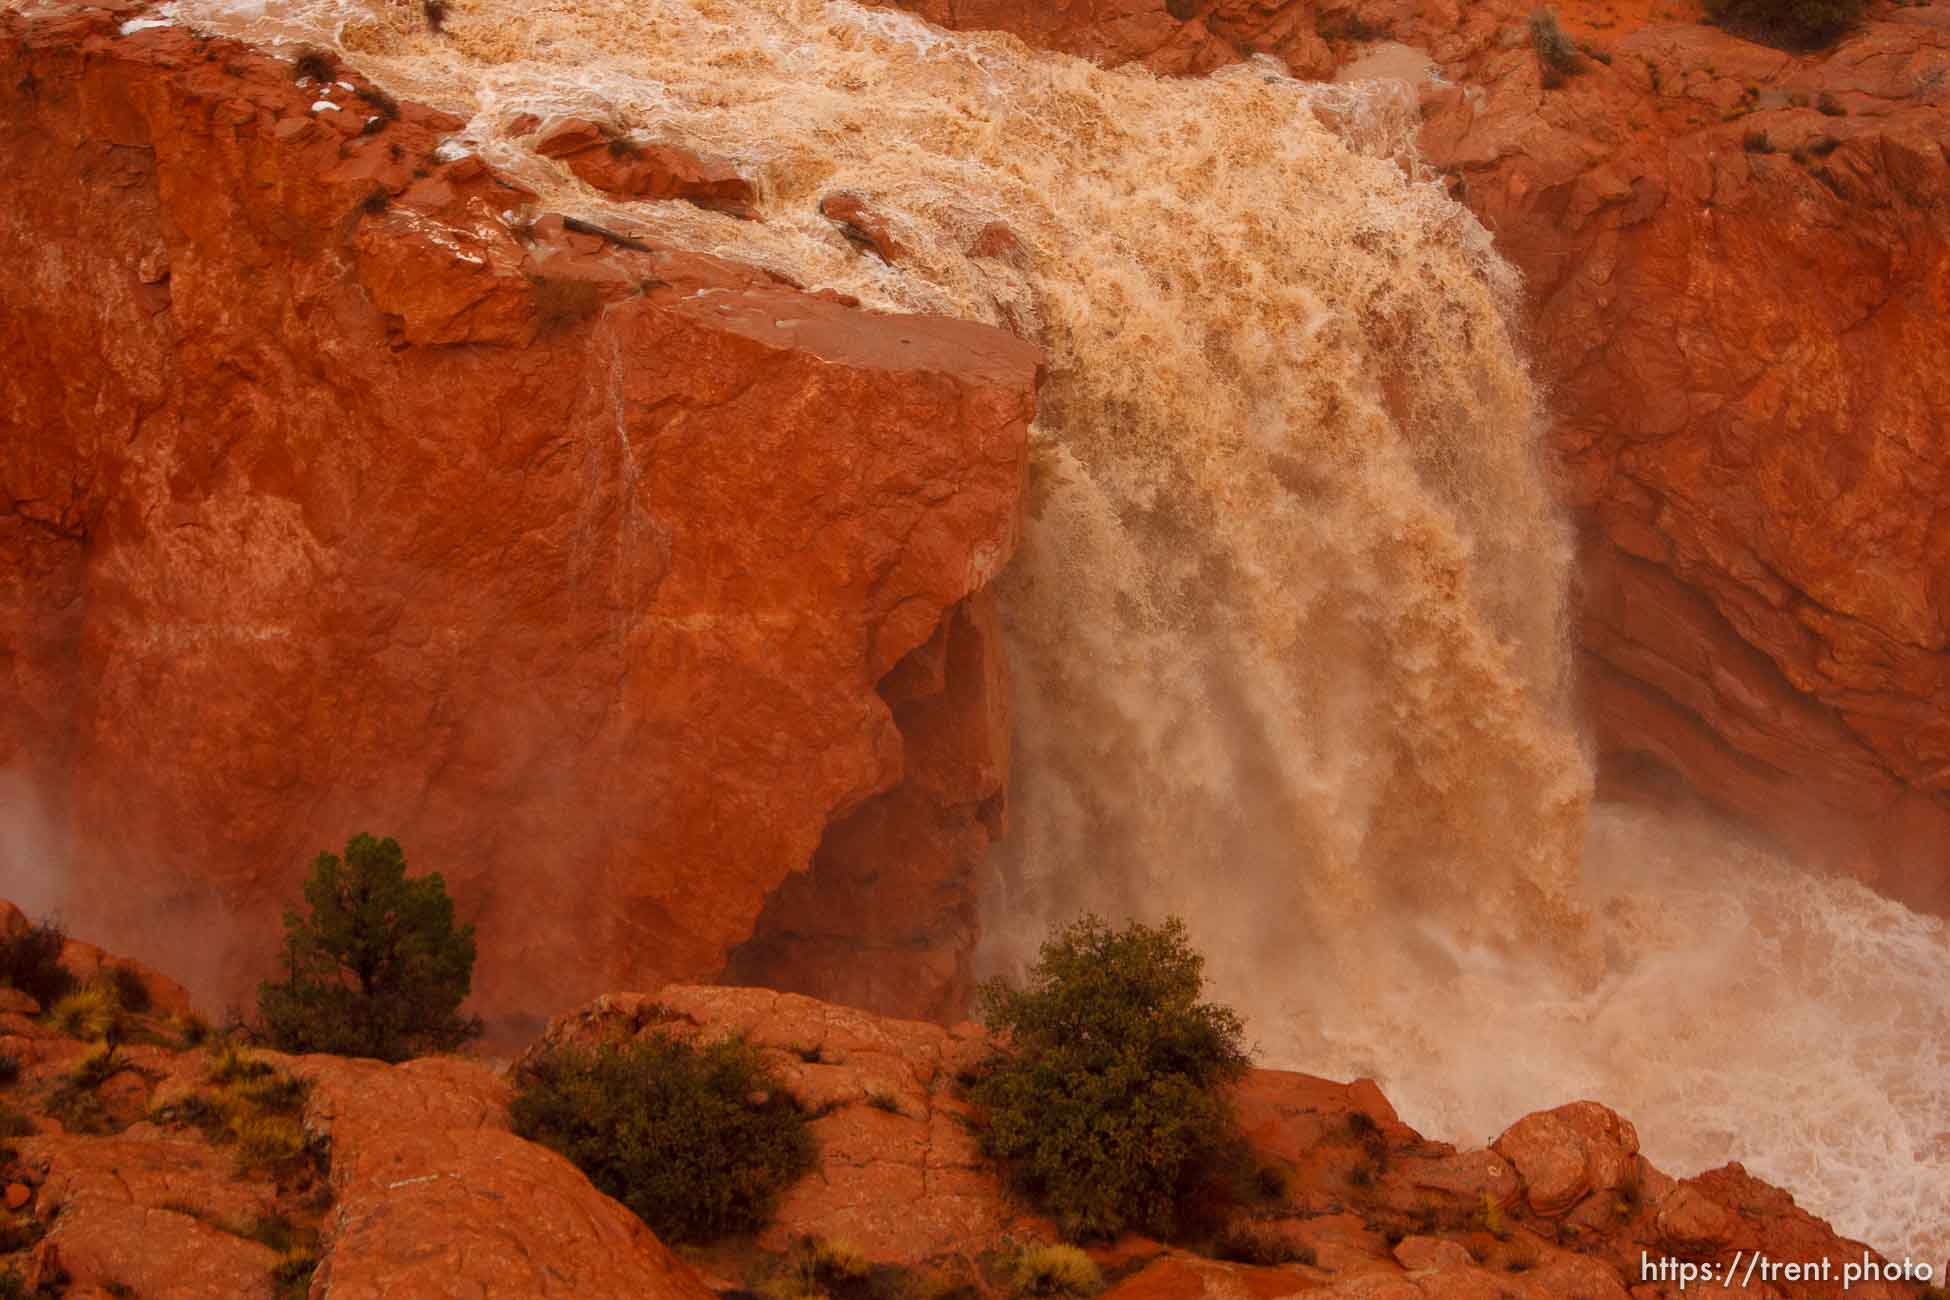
1288	623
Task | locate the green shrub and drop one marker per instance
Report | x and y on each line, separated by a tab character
1106	1108
1802	24
193	1110
13	1124
832	1269
384	106
291	1275
315	63
274	1094
378	968
31	962
131	990
1255	1243
230	1063
1556	53
93	1013
19	1232
265	1141
697	1141
191	1028
95	1067
1056	1270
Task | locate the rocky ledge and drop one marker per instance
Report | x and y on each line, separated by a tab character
342	486
416	1188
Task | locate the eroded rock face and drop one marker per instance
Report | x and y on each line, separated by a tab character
899	1173
1739	276
852	930
435	1197
334	496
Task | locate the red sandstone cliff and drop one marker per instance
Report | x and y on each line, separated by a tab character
335	495
1739	273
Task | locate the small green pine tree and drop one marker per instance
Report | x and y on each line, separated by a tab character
1107	1108
377	968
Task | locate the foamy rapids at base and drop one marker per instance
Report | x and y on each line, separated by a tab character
1288	624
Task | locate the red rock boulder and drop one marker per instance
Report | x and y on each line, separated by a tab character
338	500
615	164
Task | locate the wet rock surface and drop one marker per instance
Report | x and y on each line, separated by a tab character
363	496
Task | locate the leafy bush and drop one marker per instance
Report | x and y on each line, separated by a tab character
697	1141
378	968
31	962
1056	1270
14	1124
9	1068
1106	1108
1799	23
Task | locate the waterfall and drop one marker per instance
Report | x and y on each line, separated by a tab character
1288	625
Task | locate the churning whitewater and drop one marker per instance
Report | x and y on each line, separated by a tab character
1288	623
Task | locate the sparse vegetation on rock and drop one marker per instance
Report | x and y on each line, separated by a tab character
315	63
1056	1271
1557	54
378	968
563	301
31	962
1797	23
697	1141
95	1012
831	1268
1106	1108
